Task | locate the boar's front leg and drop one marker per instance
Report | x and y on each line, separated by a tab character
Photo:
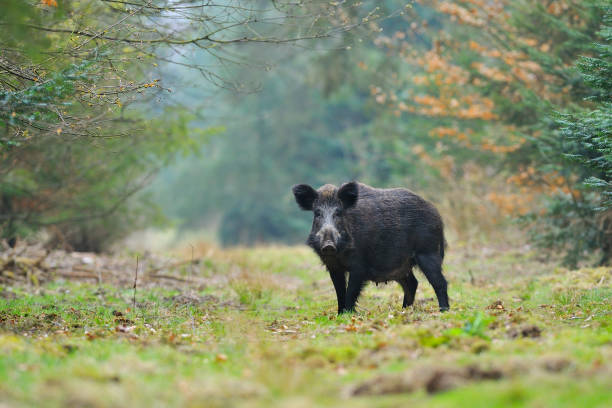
409	284
355	285
339	280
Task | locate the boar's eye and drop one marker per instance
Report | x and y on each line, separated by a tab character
338	212
317	213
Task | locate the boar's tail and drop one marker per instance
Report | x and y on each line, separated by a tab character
443	245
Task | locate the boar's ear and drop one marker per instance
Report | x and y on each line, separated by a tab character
348	194
304	196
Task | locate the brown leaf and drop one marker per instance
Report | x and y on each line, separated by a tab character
497	305
124	329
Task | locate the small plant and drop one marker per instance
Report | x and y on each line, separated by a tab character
475	326
478	325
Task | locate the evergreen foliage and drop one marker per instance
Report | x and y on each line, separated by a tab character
581	222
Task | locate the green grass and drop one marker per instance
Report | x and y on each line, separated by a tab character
262	332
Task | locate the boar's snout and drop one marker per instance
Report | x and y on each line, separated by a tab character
328	237
328	248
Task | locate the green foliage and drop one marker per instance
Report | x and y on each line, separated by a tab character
592	139
35	104
581	222
84	117
592	130
72	161
76	189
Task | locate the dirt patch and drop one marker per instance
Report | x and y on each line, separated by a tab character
432	380
530	331
435	379
385	384
555	364
446	379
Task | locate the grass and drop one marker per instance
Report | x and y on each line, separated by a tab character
262	332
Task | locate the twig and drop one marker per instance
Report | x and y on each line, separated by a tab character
472	280
190	285
135	282
191	264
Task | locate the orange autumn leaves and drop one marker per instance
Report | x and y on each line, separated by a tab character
451	98
456	91
465	83
50	3
530	185
466	139
445	164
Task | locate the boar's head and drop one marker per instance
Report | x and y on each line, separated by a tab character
329	235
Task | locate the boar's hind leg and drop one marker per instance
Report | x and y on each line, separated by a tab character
431	265
339	280
409	284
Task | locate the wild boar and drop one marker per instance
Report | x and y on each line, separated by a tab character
375	235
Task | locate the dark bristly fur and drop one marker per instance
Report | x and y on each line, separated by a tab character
374	235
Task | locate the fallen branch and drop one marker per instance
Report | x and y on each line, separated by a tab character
66	274
175	265
176	278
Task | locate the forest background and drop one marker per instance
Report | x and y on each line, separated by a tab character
118	116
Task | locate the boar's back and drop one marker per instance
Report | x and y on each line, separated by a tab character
389	226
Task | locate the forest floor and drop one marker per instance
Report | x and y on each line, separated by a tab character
257	328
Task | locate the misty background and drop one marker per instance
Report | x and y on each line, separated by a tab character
196	120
